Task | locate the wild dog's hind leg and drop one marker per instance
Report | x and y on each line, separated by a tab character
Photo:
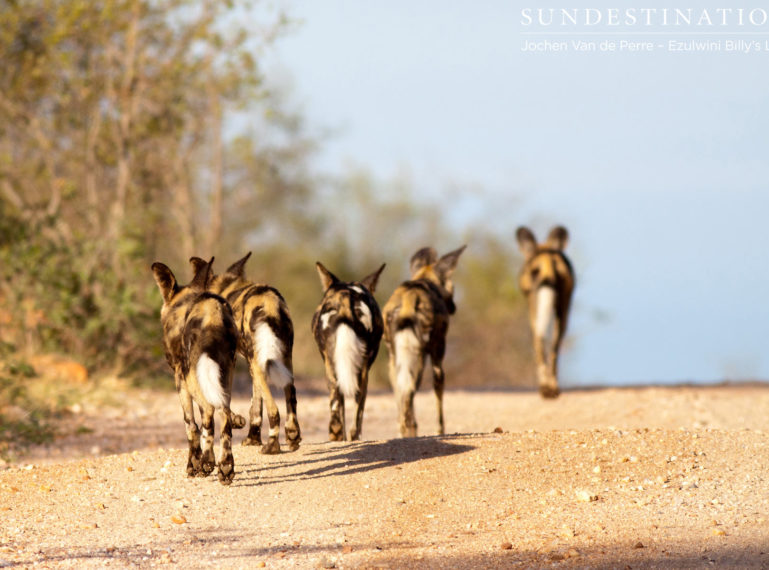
405	395
293	433
226	461
405	387
260	386
254	436
360	404
439	380
407	423
401	402
208	460
336	427
548	387
555	348
438	385
409	362
193	433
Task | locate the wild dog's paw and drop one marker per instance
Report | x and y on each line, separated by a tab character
408	430
207	463
293	438
272	447
254	436
549	391
193	463
335	430
238	421
226	470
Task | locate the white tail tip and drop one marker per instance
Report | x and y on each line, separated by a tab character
408	351
545	316
209	379
348	360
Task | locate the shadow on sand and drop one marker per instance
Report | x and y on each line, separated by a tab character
338	459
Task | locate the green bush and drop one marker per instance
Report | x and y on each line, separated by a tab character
63	298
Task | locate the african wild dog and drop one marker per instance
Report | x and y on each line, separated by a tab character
347	327
547	281
266	342
200	338
416	321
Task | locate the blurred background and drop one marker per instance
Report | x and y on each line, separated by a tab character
355	133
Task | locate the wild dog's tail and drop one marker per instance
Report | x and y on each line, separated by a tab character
211	383
408	353
348	360
545	312
408	348
271	356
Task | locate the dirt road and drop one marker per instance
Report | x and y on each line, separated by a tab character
609	478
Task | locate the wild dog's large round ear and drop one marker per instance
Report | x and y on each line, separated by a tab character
327	279
558	238
238	268
370	281
165	279
197	264
446	264
423	257
527	243
202	274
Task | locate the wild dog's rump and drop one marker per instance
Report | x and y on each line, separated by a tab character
347	327
211	339
416	322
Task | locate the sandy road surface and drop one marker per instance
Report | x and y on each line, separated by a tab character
610	478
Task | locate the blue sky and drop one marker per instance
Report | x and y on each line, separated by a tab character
657	162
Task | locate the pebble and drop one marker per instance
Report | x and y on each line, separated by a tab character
719	532
586	496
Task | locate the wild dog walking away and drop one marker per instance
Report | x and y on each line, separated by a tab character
547	280
266	341
416	321
347	327
200	339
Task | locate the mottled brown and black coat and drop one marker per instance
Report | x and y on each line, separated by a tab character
547	281
200	339
266	341
347	327
416	322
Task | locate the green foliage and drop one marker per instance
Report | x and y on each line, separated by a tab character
111	120
62	300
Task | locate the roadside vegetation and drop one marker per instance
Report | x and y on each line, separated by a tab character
133	131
